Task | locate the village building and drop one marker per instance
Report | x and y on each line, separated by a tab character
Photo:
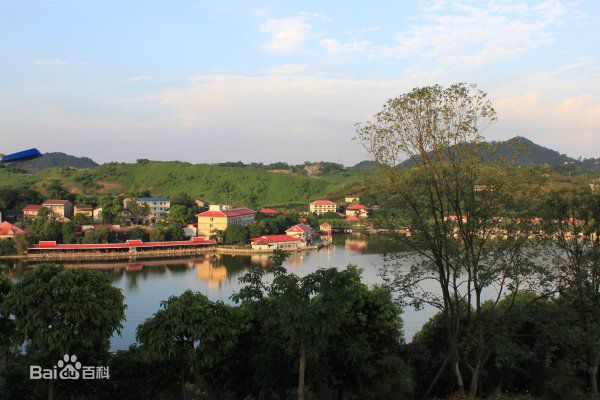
31	210
211	221
300	231
97	214
321	207
8	230
159	207
352	199
200	203
84	209
275	242
59	209
269	211
326	228
357	210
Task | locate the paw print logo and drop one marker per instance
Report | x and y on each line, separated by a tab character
69	367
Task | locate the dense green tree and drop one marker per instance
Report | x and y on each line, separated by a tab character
194	333
236	234
7	247
61	311
181	214
138	234
68	232
98	235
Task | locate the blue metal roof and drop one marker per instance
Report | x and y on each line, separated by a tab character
22	155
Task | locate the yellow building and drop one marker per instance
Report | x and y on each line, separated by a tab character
209	222
322	207
357	210
31	210
84	209
59	209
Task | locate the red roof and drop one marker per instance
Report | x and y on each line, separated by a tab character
56	202
353	218
7	229
232	212
128	244
300	228
275	239
269	211
357	207
32	207
323	203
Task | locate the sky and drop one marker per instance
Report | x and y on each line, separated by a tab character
212	81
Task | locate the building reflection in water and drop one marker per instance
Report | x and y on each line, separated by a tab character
212	270
355	245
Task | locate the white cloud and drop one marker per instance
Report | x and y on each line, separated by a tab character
570	125
334	46
287	69
477	33
287	34
54	62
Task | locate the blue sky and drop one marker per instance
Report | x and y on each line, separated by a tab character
205	81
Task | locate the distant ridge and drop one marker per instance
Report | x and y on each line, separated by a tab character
51	160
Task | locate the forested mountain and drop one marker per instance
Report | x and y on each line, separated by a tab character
51	160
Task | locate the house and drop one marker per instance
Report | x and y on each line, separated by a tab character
84	209
322	207
159	206
200	203
31	210
274	242
353	218
352	199
269	211
300	231
97	214
59	209
190	230
8	230
326	228
357	210
218	219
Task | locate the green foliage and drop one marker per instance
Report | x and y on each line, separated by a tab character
236	234
60	311
138	234
7	247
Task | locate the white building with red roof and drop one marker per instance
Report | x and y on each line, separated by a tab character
8	230
322	207
300	231
211	221
357	210
274	242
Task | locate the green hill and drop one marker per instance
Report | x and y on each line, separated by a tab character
51	160
246	185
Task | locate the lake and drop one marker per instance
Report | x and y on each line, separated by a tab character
146	283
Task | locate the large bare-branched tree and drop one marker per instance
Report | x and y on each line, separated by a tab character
448	204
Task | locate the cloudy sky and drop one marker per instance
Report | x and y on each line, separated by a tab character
209	81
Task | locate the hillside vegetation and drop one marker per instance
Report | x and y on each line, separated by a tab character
246	185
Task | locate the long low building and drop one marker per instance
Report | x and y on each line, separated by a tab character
273	242
130	246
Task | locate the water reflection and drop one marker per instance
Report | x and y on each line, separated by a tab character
146	283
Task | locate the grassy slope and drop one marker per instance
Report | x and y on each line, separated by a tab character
215	184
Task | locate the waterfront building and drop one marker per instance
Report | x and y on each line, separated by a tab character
274	242
8	230
326	228
322	207
217	219
300	231
357	210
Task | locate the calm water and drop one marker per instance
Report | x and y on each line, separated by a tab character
146	283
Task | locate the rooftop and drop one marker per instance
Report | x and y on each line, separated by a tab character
7	229
275	239
54	202
152	199
232	212
323	203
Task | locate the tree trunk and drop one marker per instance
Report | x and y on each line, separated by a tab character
594	376
51	389
460	385
474	380
301	371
